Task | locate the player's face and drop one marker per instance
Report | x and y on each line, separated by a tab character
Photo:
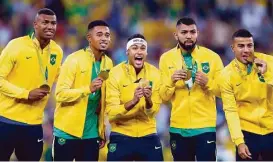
45	26
186	35
243	48
99	38
137	54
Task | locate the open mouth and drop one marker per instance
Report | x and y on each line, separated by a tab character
138	60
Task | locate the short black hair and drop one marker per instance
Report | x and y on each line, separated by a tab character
136	36
242	33
186	21
46	11
95	23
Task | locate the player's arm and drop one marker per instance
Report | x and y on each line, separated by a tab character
167	87
7	62
213	82
230	109
114	108
64	91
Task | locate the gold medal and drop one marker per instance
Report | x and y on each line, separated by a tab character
45	87
104	74
250	59
143	83
189	73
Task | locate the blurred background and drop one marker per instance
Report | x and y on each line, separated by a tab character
156	19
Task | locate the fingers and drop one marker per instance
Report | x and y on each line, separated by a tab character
244	152
179	75
139	94
248	153
147	92
101	144
259	62
97	83
201	78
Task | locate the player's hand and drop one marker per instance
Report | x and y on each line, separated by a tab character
96	84
37	94
102	144
147	92
138	94
179	75
261	65
243	151
201	79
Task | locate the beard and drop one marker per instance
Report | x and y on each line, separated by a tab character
187	47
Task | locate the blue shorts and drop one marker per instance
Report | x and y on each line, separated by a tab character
200	147
260	146
26	140
75	149
125	148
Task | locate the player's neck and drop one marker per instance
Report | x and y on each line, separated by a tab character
43	42
138	70
97	54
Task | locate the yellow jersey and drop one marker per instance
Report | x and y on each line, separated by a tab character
120	88
72	93
247	98
194	108
20	72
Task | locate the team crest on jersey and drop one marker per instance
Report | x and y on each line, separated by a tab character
53	59
112	147
205	67
61	141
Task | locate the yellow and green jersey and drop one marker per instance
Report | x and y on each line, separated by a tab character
193	108
120	88
91	117
247	98
21	62
75	113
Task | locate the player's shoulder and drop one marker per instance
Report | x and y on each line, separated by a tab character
208	51
151	67
117	69
228	69
19	41
263	56
168	54
75	56
56	47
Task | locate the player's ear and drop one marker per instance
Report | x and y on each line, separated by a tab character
175	36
